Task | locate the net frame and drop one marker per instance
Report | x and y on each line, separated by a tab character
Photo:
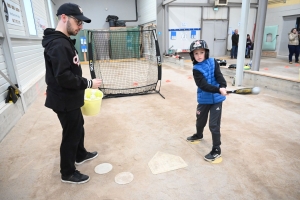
142	56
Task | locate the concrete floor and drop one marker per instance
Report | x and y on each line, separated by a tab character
260	146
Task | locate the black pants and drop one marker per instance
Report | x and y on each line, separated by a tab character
72	144
215	111
293	49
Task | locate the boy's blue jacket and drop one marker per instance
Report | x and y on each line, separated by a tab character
208	80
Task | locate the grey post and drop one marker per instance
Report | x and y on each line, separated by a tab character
259	33
242	42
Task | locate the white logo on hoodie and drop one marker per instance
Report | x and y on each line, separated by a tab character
76	60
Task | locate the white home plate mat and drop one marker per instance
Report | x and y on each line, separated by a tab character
103	168
124	178
163	162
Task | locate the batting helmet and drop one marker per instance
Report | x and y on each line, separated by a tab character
198	44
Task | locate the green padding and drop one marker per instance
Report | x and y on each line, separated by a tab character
270	46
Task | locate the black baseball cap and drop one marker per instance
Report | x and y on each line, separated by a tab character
74	10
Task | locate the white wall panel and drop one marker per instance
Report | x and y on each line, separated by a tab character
183	18
3	83
146	11
40	16
210	13
14	29
29	60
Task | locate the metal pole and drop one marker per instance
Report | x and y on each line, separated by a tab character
242	42
166	29
259	34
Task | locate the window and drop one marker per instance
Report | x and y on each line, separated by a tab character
269	37
30	18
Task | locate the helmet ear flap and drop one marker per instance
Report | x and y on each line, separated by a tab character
206	53
192	56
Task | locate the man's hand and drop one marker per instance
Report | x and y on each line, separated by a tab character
96	83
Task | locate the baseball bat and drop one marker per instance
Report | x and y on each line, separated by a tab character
254	90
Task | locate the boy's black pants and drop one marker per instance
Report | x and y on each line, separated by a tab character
215	111
72	144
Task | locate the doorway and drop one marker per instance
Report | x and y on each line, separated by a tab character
214	32
287	25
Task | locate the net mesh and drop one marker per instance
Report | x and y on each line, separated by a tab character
126	61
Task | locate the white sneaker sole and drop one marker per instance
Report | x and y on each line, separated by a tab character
75	182
210	160
76	163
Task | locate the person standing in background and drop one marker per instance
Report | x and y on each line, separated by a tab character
248	46
293	45
235	43
65	89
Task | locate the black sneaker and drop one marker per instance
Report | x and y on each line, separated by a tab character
76	178
89	156
194	137
214	154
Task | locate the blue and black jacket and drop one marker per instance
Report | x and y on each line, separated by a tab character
209	79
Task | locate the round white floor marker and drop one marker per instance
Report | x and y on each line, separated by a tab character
103	168
124	178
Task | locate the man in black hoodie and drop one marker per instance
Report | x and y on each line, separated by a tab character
65	89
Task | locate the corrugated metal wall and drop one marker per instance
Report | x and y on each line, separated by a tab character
28	53
40	15
14	29
29	59
146	11
3	82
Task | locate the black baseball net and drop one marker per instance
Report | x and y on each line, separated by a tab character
128	61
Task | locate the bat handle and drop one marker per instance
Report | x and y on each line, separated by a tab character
230	91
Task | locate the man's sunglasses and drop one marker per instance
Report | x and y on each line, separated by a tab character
79	23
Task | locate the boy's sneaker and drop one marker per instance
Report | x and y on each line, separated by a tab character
89	156
76	178
213	155
194	137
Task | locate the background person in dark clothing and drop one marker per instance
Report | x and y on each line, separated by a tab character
248	46
65	89
235	43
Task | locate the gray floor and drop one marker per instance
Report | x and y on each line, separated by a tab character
260	146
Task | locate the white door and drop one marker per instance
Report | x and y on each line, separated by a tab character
214	32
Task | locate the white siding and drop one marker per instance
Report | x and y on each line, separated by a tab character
183	18
40	13
146	11
3	83
29	60
14	29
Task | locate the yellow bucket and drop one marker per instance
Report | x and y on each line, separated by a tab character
92	102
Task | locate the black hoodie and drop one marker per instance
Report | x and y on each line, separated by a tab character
65	84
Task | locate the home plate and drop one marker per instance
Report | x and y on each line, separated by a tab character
103	168
123	178
163	162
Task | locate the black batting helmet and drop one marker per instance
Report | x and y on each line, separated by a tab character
198	44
